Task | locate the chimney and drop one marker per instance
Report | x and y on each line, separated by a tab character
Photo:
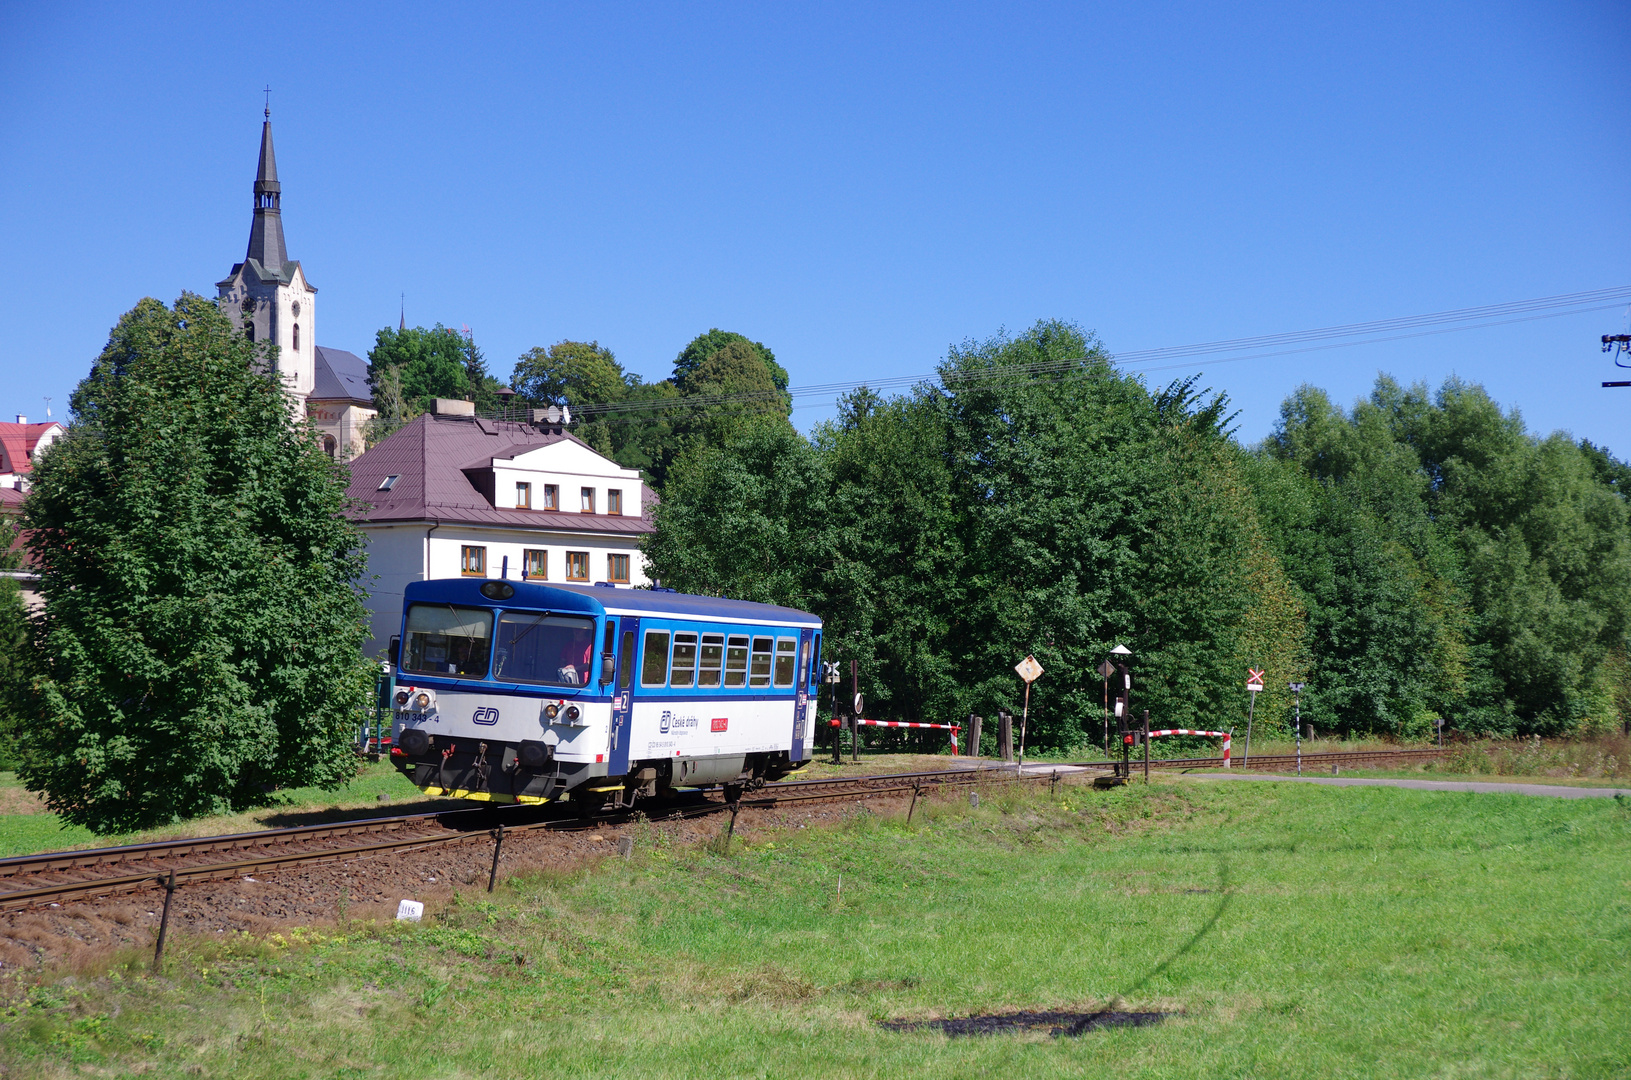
21	419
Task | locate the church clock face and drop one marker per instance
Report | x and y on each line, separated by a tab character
296	309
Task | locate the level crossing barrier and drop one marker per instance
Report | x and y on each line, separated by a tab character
1224	735
953	728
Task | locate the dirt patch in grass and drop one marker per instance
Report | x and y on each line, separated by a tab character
16	799
1056	1024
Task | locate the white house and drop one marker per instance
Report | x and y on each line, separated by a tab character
456	495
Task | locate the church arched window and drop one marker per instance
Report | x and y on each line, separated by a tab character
329	445
296	337
249	328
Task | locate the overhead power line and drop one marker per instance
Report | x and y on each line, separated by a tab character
1224	351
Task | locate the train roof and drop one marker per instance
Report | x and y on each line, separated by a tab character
598	600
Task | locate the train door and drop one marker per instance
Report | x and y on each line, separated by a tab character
623	695
802	697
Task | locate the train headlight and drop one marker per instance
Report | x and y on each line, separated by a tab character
402	699
572	712
421	700
551	711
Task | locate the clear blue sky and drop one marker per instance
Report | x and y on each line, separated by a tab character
855	185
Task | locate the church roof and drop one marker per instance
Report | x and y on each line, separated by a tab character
428	457
266	245
341	376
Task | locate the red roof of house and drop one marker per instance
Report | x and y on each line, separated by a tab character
428	457
17	442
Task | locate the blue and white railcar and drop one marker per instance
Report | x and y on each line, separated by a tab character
517	691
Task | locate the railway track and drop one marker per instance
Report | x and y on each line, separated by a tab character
57	877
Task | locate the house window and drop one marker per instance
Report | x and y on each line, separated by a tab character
535	563
617	569
296	337
587	495
389	482
473	561
614	501
577	566
552	496
523	496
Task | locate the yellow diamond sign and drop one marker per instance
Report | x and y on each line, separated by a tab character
1029	669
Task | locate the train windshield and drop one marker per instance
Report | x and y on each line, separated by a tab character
538	647
448	640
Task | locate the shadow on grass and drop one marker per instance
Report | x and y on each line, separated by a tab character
1072	1024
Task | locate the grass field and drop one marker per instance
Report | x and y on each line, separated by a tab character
1295	930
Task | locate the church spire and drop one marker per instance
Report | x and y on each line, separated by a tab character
266	234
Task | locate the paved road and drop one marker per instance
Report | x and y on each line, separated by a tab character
1555	790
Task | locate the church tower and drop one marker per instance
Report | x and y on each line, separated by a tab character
267	294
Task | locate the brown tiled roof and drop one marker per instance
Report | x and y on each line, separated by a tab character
429	456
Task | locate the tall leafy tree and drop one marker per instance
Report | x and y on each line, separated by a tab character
200	641
435	363
706	345
13	647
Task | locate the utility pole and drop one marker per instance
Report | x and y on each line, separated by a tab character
1618	344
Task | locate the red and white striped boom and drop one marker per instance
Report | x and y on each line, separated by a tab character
1224	735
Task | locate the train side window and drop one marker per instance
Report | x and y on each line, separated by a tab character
606	664
736	660
713	655
654	665
685	660
815	664
759	673
787	661
626	672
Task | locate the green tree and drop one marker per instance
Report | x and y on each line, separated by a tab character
392	408
13	646
483	387
706	345
1499	577
200	641
574	373
434	363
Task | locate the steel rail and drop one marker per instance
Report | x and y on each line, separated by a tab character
766	797
86	857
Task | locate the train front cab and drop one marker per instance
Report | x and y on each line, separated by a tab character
485	709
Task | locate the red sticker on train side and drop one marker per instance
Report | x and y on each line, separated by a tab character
719	723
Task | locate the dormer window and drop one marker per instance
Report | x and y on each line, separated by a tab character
388	483
523	496
614	501
587	497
